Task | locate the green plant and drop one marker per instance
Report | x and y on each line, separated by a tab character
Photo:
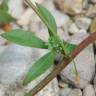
55	45
5	17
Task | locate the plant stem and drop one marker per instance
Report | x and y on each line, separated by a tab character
76	71
90	39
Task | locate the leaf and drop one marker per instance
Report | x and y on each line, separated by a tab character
4	5
40	67
24	38
48	18
5	17
69	47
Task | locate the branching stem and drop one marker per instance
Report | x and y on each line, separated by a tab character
90	39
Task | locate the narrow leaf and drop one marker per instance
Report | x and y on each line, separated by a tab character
48	18
4	5
40	67
24	38
5	17
69	47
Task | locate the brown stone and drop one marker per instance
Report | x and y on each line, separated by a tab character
93	26
71	7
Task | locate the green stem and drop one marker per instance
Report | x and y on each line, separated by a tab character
63	47
76	71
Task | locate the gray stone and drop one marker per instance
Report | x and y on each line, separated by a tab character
38	28
15	61
82	31
91	11
2	41
84	62
85	4
89	90
61	19
14	10
3	90
94	1
51	89
49	5
63	33
83	23
95	79
22	21
65	91
62	84
75	92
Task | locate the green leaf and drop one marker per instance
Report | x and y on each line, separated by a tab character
69	47
48	19
40	67
5	17
24	38
4	5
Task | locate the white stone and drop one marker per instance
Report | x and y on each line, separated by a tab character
27	15
61	18
73	29
39	28
63	33
25	18
51	89
62	84
65	91
78	38
16	8
76	92
38	1
83	23
85	64
82	31
15	61
89	90
3	91
2	41
49	5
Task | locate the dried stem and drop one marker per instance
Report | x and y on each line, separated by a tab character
90	39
